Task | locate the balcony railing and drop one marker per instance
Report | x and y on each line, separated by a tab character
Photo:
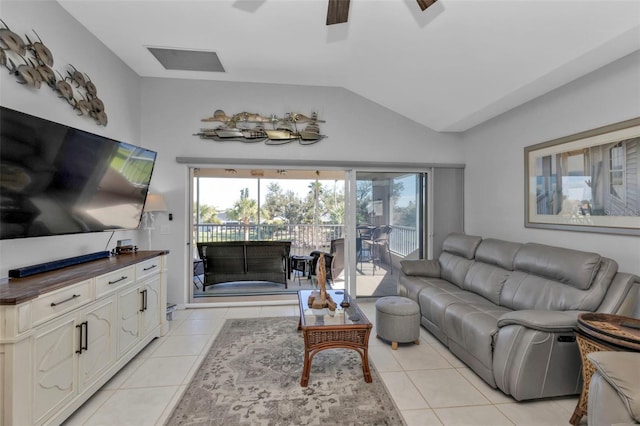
402	240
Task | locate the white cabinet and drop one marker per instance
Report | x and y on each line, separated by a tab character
129	304
98	343
151	310
55	368
57	349
70	354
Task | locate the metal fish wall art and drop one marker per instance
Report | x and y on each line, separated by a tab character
31	64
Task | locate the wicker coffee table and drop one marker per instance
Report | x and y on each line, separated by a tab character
346	328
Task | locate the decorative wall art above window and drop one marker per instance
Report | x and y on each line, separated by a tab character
31	63
249	127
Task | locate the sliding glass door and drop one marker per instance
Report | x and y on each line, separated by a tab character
382	216
305	207
390	223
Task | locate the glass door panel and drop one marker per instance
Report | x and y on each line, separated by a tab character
305	207
390	218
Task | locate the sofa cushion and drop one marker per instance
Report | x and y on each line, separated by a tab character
461	244
497	252
439	295
454	268
421	268
472	325
486	280
490	269
411	286
572	267
528	291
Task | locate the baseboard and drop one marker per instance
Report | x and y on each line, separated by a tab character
26	271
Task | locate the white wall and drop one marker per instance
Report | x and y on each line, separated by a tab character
357	129
162	114
118	87
494	175
170	112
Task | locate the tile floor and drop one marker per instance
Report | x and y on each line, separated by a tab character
429	385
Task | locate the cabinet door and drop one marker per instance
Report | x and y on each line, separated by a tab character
100	341
152	310
55	365
129	309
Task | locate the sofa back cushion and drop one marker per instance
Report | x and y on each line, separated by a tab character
571	267
491	268
461	245
553	278
457	255
497	252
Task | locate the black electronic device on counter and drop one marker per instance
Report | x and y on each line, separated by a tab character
125	246
56	264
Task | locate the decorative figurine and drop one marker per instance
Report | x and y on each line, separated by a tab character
321	299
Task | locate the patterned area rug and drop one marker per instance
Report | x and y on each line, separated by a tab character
251	376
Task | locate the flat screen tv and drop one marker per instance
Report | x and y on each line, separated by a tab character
57	180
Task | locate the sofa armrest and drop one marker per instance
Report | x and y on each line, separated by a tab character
549	321
421	268
622	371
622	297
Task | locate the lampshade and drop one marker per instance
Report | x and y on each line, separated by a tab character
155	203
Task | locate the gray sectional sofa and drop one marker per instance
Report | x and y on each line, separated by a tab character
508	310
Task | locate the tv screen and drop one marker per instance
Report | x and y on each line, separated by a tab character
57	180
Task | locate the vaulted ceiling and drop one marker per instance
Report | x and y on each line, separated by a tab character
450	67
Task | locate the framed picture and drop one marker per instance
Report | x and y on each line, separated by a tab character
586	182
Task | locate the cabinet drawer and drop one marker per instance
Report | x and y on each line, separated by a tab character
112	281
58	302
148	267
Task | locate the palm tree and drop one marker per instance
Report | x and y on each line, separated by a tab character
315	189
244	210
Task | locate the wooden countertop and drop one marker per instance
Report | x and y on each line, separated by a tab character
18	290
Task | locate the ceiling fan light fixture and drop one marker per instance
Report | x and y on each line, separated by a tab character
424	4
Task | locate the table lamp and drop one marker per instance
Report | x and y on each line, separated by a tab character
154	203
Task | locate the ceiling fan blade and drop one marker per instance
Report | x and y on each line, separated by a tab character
425	3
338	12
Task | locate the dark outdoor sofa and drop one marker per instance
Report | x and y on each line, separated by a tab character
245	261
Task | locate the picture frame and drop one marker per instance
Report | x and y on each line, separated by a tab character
588	182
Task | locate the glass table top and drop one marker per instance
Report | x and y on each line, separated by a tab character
351	315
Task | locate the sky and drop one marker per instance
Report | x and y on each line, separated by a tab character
223	192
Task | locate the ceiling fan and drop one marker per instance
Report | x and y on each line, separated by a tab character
338	11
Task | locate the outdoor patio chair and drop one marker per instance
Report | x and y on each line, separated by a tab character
334	261
375	245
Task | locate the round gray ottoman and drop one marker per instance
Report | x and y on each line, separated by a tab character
398	320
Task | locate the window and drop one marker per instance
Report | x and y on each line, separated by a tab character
617	170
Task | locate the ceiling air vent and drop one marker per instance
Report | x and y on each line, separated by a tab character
187	60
